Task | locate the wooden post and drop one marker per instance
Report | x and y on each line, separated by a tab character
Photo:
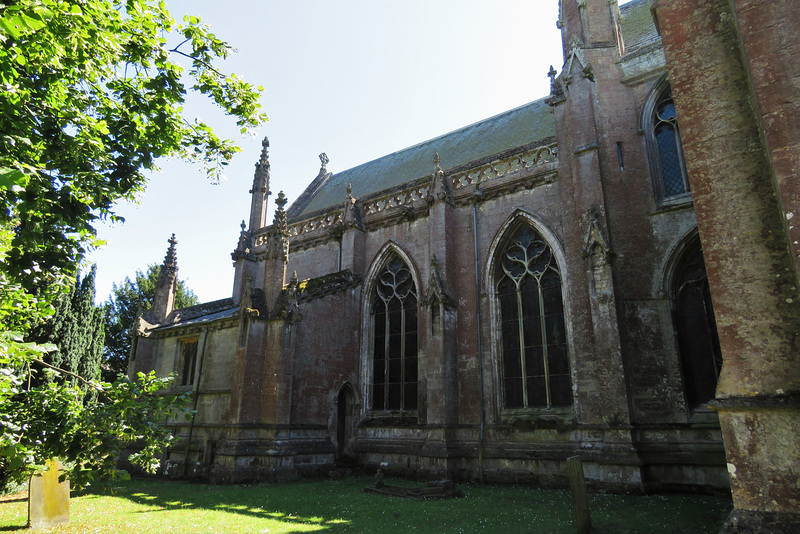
579	500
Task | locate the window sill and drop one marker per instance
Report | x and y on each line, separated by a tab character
390	418
538	418
673	203
704	417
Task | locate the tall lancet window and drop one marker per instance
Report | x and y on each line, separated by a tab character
696	327
394	327
535	364
667	137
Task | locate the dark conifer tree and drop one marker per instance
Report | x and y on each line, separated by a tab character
124	303
76	329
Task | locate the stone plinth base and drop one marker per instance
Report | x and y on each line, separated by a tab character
749	522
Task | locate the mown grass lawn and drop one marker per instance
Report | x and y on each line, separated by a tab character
334	506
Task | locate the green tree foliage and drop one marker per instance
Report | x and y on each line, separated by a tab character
124	303
56	419
91	95
76	329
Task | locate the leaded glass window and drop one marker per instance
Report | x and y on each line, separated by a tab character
535	364
674	180
394	324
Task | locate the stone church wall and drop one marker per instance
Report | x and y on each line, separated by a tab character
285	387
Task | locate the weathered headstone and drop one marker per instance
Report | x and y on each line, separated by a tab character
579	500
48	499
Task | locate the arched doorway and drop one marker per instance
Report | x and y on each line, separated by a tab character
344	416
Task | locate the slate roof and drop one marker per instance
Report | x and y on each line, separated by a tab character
200	313
637	25
520	126
224	314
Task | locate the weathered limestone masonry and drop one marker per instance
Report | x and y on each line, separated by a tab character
734	66
528	288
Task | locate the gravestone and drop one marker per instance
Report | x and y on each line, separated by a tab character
48	499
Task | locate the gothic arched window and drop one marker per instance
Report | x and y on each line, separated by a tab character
670	150
535	364
394	327
696	328
664	145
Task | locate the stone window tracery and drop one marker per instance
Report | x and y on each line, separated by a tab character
394	327
535	364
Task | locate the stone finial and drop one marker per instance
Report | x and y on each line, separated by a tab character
261	177
439	188
293	281
265	152
171	259
166	288
281	201
279	220
352	216
278	237
245	243
323	158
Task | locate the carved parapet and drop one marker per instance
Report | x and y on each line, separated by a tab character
502	167
396	199
412	200
316	223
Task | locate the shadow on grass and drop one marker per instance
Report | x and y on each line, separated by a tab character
342	506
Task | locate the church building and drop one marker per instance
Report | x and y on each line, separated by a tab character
591	274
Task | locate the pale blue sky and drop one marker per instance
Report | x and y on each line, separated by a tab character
356	79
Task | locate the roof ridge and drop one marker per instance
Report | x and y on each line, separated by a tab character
516	126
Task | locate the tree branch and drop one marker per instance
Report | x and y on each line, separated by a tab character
79	377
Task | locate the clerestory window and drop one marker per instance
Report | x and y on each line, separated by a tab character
665	147
670	150
394	327
535	363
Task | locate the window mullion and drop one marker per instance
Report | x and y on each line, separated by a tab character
520	323
681	160
543	325
402	354
386	342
